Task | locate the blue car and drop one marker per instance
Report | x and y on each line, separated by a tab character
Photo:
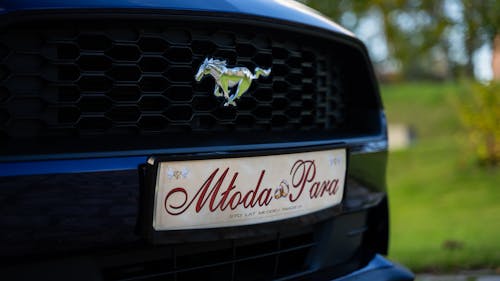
189	140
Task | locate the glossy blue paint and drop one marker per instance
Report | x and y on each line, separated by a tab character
287	10
71	166
109	161
113	161
379	268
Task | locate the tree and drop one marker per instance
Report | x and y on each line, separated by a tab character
411	30
421	36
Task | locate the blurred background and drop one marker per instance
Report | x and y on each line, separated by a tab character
438	63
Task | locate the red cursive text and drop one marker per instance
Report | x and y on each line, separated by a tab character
303	172
210	196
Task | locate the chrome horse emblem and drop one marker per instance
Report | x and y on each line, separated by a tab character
226	79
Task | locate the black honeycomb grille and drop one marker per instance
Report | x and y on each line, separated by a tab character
135	79
87	79
272	257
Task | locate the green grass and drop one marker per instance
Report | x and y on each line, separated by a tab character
445	210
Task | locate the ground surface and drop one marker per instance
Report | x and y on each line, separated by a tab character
481	275
445	210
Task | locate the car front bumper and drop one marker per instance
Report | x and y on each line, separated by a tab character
381	269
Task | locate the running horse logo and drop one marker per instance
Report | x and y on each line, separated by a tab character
226	79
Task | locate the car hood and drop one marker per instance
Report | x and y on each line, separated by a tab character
286	10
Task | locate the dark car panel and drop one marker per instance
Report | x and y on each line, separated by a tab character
90	90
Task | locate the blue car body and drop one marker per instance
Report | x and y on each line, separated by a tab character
370	148
275	9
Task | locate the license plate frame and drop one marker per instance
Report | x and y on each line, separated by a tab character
150	176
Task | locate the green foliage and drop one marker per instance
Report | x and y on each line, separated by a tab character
438	198
479	108
444	208
424	106
423	36
411	29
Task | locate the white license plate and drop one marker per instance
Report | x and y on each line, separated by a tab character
228	192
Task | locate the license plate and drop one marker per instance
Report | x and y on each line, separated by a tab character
229	192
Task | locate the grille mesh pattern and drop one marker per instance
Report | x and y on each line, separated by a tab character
270	258
87	79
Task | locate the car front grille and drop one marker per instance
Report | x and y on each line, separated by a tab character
88	79
91	218
265	258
